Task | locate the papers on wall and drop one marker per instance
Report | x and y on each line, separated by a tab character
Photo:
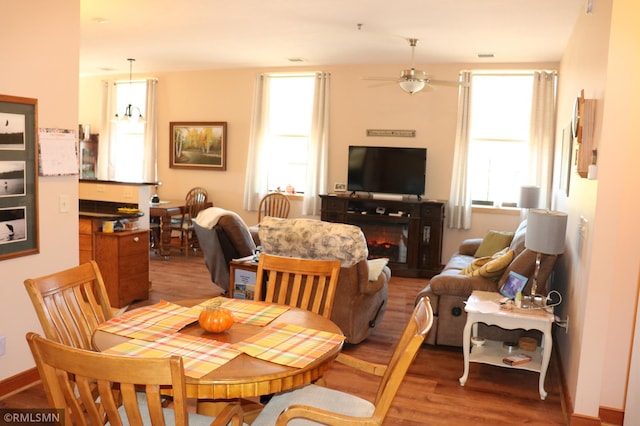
57	152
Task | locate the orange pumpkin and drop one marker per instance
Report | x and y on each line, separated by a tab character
215	318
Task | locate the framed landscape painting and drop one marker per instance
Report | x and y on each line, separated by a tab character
198	145
18	177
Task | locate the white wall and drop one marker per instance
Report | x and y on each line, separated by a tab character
601	276
39	44
227	95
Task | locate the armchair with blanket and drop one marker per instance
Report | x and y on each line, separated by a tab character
361	296
223	236
480	264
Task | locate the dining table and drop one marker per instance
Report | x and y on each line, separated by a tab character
162	211
269	348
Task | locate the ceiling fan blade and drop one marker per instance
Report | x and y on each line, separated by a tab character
381	78
445	83
383	84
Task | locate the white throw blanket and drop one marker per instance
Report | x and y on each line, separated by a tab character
208	218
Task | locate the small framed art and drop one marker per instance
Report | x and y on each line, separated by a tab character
18	177
198	145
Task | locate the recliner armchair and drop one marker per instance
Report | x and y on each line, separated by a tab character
223	236
359	303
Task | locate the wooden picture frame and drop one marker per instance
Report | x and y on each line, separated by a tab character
18	177
198	145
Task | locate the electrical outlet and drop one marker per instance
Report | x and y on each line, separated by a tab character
128	193
3	345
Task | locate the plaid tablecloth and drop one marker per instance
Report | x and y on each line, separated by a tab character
247	312
199	355
289	345
152	322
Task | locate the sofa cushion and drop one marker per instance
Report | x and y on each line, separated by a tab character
493	242
491	267
237	232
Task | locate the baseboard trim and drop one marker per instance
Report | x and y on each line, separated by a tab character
16	383
581	420
614	416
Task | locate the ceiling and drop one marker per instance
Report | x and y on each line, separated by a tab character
169	35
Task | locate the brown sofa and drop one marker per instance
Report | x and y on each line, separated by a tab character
359	304
449	290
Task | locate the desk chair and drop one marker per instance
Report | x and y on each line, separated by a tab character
303	283
275	204
331	407
195	201
70	304
129	388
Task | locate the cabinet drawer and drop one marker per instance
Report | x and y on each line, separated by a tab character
334	204
86	242
85	226
133	244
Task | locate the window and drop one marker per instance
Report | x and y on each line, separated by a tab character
128	141
289	129
499	137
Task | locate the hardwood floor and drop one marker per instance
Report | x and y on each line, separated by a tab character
431	393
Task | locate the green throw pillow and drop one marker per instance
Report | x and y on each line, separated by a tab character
493	242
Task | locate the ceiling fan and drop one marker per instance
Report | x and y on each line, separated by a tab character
412	80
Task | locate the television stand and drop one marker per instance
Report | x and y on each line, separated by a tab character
407	231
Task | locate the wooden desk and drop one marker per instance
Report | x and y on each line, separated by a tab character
164	210
245	376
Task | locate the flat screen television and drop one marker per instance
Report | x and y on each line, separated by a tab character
387	170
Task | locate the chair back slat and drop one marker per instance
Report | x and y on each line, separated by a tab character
70	304
303	283
95	388
274	205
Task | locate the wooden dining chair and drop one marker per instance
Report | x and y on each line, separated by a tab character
94	388
303	283
327	406
195	201
275	204
70	304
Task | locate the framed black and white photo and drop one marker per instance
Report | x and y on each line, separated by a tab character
18	177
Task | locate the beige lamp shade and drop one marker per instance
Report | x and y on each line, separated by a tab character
529	197
546	231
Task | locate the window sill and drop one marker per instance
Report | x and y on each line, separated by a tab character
496	210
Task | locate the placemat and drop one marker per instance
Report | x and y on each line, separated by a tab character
289	345
151	322
247	312
200	356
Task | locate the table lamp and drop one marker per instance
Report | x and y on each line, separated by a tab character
545	235
529	198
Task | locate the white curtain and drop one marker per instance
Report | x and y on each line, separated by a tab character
541	135
107	147
105	168
255	186
459	205
318	159
150	147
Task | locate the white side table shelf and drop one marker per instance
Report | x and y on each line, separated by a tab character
484	306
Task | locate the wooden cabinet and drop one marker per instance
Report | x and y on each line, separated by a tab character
123	258
408	232
86	229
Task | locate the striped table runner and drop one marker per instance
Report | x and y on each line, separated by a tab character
199	355
247	312
289	345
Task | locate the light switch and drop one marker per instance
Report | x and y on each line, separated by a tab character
63	203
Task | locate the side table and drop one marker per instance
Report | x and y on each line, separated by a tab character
242	279
484	306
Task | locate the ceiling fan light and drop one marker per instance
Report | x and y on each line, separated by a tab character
412	86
